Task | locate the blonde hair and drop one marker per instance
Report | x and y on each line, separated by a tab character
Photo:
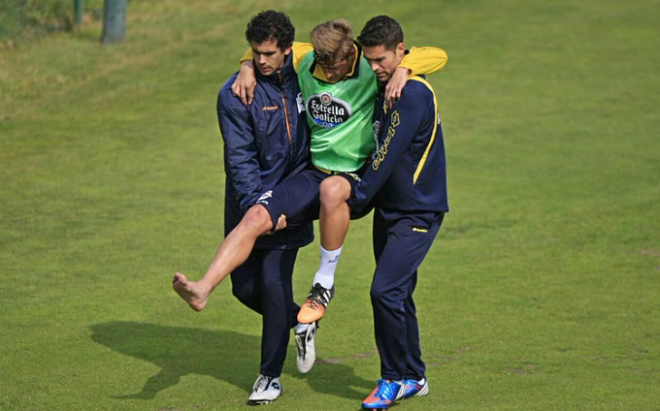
332	41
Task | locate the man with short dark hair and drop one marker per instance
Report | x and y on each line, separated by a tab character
406	181
265	143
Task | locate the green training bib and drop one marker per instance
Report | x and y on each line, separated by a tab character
339	116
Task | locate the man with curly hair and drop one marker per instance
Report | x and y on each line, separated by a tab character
264	143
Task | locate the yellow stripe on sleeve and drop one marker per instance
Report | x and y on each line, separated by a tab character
420	166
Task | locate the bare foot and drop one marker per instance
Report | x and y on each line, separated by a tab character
189	291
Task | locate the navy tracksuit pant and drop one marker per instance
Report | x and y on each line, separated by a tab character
401	241
263	284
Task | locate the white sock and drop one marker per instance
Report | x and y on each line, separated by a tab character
301	328
326	272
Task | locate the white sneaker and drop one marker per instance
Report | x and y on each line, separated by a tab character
305	349
265	390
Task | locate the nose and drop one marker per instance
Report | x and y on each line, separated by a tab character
329	74
262	59
374	67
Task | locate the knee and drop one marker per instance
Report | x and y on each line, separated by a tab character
257	219
378	294
385	296
334	191
243	293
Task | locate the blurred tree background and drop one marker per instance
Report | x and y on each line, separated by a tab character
25	20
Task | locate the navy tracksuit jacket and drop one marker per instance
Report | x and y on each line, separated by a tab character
265	143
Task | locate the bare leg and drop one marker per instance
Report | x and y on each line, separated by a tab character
233	251
335	216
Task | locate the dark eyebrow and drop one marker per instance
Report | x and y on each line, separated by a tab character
267	53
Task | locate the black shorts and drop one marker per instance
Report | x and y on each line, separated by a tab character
298	196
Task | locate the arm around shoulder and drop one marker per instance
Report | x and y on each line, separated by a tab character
299	51
424	60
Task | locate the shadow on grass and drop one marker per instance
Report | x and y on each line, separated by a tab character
226	355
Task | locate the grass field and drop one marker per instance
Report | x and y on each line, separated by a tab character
542	291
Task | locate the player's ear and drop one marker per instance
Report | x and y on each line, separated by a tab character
400	50
287	50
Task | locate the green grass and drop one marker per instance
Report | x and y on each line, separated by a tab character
540	293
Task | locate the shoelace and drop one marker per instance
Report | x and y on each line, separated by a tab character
317	296
385	389
262	383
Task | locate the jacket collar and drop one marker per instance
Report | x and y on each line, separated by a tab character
279	77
